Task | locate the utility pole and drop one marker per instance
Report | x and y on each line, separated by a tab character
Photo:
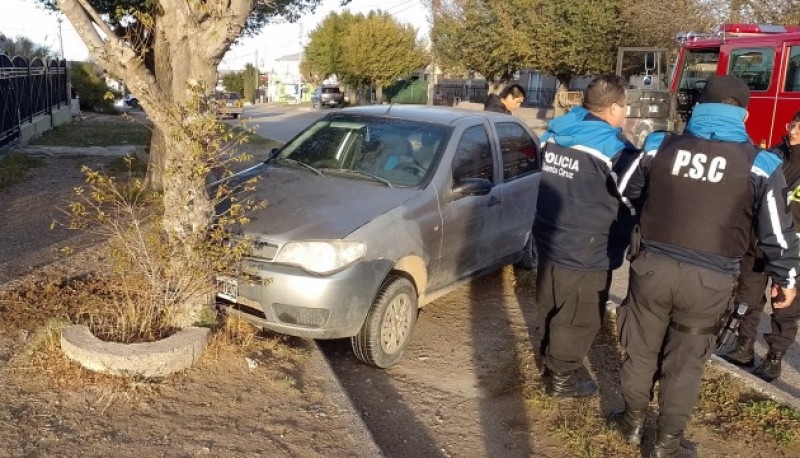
258	79
60	37
433	77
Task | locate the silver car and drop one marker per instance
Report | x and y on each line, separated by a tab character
376	211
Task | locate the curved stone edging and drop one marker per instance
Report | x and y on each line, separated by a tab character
151	359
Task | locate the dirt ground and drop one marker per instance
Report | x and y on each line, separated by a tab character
468	386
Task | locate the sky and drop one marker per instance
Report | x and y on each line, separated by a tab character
27	18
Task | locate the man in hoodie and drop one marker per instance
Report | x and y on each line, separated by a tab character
700	193
753	281
507	102
581	230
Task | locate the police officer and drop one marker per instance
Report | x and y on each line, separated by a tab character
581	230
705	190
753	281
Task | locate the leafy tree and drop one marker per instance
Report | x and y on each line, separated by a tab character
322	56
26	48
772	12
234	82
90	85
249	82
380	49
654	22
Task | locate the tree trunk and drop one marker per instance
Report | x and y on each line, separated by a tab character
379	92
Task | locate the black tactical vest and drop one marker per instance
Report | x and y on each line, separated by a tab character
699	196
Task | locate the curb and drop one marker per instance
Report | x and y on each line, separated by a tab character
756	383
151	359
367	447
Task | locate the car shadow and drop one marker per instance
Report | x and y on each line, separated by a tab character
395	427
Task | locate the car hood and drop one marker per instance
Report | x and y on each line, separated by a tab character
305	206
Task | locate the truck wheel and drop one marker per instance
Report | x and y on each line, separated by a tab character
529	256
389	324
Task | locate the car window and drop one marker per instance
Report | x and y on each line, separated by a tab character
754	66
330	90
402	152
793	71
473	156
519	150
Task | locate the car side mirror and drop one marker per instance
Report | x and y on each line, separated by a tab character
472	187
650	61
273	153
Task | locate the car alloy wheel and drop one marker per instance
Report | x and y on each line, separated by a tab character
389	324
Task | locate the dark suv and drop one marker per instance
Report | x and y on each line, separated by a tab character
327	96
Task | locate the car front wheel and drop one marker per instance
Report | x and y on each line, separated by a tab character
389	324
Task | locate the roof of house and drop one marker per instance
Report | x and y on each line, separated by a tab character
289	57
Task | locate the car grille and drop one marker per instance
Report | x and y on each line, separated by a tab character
263	251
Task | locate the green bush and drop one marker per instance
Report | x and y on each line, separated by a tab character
88	81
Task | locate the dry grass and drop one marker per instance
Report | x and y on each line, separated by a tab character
14	167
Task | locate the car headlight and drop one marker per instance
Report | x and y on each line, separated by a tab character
321	256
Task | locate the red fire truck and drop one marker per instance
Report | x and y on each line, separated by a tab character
767	57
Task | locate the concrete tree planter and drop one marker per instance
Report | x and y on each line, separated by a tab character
151	359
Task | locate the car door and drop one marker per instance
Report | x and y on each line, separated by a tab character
521	170
468	221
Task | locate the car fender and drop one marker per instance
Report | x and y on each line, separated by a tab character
414	267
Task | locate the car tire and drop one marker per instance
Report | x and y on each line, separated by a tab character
529	255
389	324
236	116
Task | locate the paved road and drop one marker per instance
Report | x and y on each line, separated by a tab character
281	122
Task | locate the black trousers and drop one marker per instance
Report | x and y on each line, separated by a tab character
666	299
571	304
751	290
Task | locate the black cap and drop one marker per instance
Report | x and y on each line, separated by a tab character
721	87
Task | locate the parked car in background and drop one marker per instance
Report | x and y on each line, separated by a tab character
330	96
229	103
375	212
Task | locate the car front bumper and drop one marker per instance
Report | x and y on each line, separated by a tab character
291	301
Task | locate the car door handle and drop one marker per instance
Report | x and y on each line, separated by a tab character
493	200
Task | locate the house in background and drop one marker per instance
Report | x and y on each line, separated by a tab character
286	82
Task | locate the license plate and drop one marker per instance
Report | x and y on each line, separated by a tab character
227	288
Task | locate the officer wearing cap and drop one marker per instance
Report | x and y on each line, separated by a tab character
700	193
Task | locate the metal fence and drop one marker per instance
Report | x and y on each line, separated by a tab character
449	93
29	89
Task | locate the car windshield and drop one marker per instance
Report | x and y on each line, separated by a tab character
389	151
330	90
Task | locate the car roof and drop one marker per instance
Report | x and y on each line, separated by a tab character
424	113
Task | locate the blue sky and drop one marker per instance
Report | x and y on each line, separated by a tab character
27	18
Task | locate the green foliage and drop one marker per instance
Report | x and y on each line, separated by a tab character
381	50
249	81
234	82
13	168
323	55
496	38
88	81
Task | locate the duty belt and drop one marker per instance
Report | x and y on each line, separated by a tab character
694	331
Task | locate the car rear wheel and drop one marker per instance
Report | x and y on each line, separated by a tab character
236	116
529	256
389	324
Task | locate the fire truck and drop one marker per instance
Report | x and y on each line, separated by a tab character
767	57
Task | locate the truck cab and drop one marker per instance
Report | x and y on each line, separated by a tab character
766	57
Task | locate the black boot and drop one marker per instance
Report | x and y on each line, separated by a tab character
770	367
742	354
567	385
629	423
671	446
